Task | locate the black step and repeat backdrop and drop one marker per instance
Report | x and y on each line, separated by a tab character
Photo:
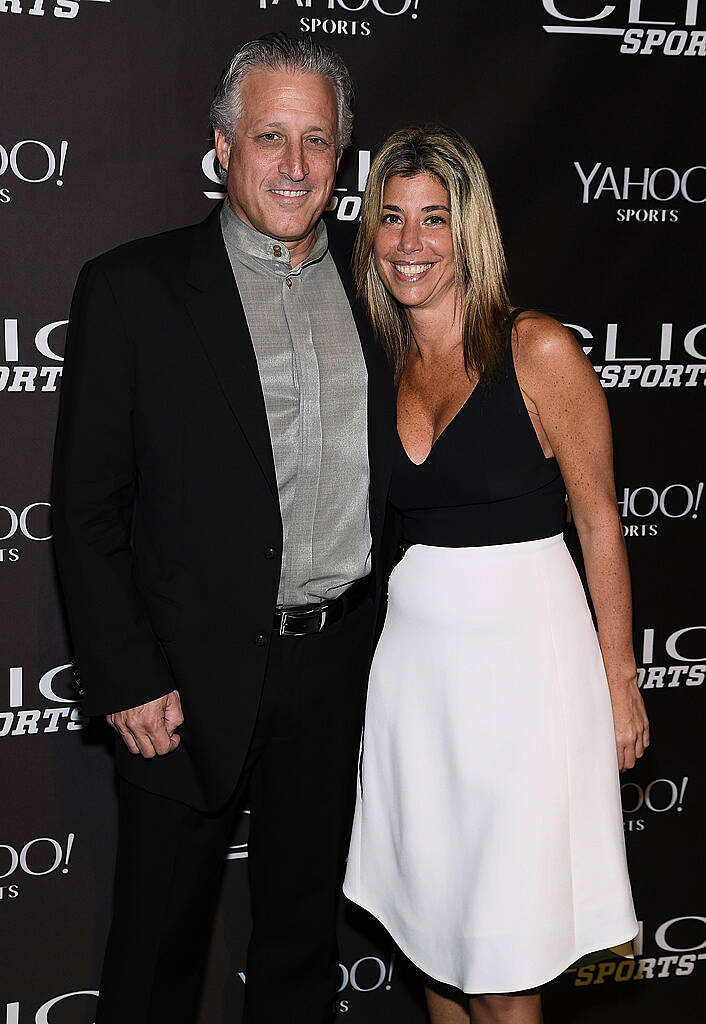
588	116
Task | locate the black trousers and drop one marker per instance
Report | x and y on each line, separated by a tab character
299	782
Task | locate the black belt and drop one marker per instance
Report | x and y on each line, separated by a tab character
307	619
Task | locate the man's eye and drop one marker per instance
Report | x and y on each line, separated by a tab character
317	141
269	136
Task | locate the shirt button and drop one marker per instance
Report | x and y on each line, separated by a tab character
270	552
260	640
277	250
288	282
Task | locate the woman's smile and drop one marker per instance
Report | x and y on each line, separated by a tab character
410	273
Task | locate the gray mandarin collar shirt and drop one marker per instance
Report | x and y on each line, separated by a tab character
314	382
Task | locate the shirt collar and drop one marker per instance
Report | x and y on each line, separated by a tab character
240	238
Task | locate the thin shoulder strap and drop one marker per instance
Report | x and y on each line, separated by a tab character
507	347
515	313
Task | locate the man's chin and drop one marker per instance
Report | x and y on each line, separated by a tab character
289	229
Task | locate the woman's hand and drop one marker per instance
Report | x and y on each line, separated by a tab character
632	728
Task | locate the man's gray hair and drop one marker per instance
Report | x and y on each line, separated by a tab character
275	52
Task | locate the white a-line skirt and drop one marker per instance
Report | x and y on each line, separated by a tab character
488	833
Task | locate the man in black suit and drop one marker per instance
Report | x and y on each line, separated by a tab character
220	477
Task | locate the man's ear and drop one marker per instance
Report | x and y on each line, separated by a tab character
222	148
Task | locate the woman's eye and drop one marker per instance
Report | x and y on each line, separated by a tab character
390	218
435	220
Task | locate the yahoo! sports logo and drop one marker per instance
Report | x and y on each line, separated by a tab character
328	16
671	29
644	508
641	194
44	855
18	525
21	524
367	974
30	162
659	796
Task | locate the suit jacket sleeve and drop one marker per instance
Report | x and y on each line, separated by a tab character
93	491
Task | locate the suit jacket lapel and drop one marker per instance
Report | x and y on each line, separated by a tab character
219	318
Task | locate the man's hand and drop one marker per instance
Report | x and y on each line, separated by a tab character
150	728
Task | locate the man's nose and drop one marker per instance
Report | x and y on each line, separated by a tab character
293	162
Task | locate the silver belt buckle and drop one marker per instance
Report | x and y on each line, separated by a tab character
284	629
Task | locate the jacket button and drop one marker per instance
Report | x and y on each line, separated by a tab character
260	640
270	553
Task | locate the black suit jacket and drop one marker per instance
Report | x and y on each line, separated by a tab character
165	504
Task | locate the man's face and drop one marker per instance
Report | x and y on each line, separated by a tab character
282	164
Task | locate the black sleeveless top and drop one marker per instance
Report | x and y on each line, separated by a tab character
486	479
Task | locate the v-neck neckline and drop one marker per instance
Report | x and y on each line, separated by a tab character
455	416
510	321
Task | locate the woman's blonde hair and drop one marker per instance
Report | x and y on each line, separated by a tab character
479	259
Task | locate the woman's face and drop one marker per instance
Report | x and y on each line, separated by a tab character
413	248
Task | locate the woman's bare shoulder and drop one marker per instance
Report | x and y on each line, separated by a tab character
548	355
541	335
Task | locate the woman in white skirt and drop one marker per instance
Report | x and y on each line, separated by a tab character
488	831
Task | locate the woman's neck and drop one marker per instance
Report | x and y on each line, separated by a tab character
435	331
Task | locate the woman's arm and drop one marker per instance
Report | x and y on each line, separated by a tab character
567	405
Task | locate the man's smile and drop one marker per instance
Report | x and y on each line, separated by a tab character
288	193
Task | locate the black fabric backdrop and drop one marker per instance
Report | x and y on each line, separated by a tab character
588	119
